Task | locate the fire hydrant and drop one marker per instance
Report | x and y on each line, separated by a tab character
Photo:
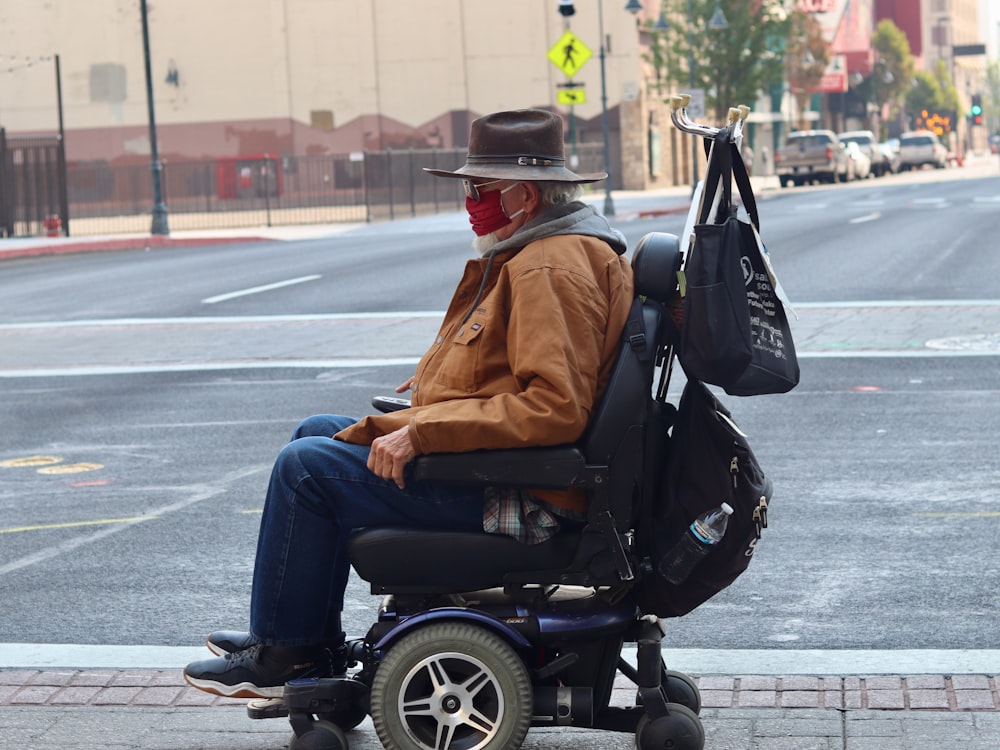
53	225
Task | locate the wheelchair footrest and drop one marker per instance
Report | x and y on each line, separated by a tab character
267	708
323	695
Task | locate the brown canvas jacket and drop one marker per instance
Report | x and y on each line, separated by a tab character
527	366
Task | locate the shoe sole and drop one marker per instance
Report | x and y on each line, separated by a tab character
239	690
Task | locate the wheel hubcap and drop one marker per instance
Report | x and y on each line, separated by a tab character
451	701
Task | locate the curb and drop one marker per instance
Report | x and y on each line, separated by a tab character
167	688
68	246
653	213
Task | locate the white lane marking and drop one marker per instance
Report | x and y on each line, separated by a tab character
259	289
691	661
340	364
422	314
831	662
324	364
900	303
199	493
220	320
862	219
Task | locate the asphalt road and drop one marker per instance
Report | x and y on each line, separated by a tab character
141	528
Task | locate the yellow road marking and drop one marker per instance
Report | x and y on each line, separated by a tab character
16	463
71	524
70	468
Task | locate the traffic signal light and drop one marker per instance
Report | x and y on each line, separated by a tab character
566	7
977	109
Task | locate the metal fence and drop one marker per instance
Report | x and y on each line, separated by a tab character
33	196
271	190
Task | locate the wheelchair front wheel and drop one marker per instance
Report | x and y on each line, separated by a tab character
322	735
451	685
679	729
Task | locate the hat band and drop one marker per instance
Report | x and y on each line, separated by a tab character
520	161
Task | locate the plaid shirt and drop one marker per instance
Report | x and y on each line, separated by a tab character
520	514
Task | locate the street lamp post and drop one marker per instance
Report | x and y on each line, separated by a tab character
609	204
694	139
63	190
159	225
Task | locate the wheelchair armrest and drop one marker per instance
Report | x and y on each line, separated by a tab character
542	468
386	404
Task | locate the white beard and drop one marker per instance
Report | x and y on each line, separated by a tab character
484	244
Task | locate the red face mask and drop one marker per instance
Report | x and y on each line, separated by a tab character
487	215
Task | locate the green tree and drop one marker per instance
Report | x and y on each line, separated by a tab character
892	73
949	94
807	55
924	94
732	64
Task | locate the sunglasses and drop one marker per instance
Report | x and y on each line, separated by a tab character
472	189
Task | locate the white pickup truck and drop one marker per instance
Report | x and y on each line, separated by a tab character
921	147
811	155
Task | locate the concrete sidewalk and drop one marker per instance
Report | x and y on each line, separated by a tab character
101	708
631	205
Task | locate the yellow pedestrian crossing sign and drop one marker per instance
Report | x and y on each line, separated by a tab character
569	54
571	96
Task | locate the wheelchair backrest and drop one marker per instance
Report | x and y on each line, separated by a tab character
615	434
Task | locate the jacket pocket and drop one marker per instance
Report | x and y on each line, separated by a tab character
459	362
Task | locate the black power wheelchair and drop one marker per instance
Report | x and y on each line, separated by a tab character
478	637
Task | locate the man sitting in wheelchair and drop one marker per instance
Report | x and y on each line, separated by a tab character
525	350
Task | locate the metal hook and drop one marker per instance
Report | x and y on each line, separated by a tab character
679	116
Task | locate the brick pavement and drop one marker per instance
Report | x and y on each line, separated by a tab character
166	688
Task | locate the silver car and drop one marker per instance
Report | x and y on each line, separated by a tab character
869	146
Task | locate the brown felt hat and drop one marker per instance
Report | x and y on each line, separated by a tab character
522	144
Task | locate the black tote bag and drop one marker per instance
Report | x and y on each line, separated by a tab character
735	332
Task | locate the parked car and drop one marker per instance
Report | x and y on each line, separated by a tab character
865	139
859	166
920	147
810	156
890	152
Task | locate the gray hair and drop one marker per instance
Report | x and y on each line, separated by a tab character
558	193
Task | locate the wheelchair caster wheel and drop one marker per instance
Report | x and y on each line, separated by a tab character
679	729
678	688
346	719
682	689
321	735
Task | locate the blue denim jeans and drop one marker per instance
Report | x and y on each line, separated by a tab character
320	491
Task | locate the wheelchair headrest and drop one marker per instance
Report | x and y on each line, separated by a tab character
655	263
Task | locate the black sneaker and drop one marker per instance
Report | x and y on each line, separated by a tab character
223	642
257	672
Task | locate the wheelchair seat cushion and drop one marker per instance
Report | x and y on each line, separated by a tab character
395	558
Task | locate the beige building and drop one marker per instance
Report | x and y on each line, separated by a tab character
302	77
950	23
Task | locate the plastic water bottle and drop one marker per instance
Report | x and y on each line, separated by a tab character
704	533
